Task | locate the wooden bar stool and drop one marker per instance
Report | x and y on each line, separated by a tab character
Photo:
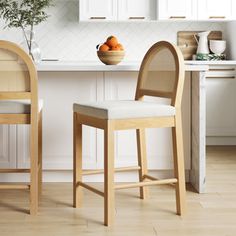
19	105
161	75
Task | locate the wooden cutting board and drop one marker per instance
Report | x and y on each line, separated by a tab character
188	44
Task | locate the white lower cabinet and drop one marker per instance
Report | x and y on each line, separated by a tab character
121	86
59	91
221	97
8	146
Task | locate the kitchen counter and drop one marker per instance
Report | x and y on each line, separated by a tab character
97	66
94	81
123	66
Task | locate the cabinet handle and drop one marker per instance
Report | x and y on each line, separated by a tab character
229	69
136	17
217	17
97	18
177	17
221	77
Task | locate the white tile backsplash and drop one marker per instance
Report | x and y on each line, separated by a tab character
62	36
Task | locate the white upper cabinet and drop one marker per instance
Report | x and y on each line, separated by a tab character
177	9
216	9
136	10
148	10
113	10
98	10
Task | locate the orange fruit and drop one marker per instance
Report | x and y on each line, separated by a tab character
115	48
112	41
104	47
120	46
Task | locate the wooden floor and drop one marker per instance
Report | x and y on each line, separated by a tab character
209	214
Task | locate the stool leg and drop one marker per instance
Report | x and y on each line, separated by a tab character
40	177
34	168
142	160
109	195
77	165
179	165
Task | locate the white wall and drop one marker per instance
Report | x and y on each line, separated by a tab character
63	37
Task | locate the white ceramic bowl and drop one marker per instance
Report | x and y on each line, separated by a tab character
217	46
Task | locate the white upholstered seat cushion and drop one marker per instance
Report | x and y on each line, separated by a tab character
124	109
17	106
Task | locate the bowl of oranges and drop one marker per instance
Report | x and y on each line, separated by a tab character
111	52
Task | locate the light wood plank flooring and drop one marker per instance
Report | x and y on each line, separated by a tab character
212	213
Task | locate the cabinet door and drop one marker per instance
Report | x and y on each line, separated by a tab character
221	112
159	141
215	9
93	10
120	86
59	91
136	9
7	146
177	9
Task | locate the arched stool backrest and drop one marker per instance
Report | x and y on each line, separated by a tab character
162	73
18	82
18	76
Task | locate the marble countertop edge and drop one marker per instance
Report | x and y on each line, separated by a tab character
56	66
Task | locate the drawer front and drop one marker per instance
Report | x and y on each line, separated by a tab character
221	72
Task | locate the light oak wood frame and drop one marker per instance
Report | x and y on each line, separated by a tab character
109	126
34	119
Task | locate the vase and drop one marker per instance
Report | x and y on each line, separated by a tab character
30	46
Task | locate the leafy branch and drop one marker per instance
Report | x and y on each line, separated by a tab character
24	14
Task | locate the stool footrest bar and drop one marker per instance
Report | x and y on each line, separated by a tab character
148	183
14	170
121	169
91	188
149	177
15	186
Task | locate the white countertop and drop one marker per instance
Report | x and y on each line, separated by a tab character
47	66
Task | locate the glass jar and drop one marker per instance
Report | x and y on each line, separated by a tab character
30	46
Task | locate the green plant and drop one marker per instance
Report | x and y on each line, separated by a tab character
24	14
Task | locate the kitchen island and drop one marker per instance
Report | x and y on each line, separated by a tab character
61	83
71	82
69	66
